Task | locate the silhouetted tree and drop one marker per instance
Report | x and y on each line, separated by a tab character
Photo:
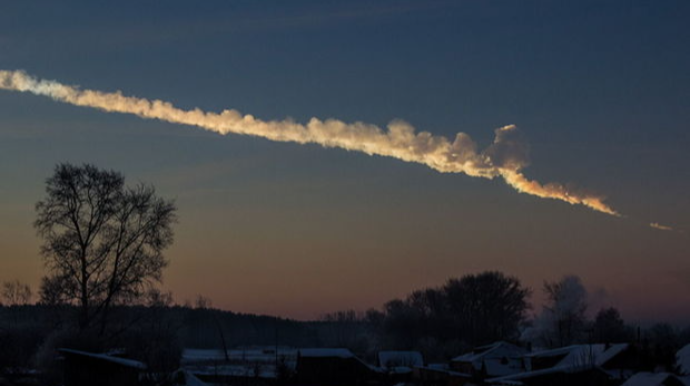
487	307
16	293
103	241
566	304
471	310
342	328
401	325
432	308
662	342
51	292
609	327
346	329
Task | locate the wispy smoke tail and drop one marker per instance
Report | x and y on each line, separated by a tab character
504	158
660	227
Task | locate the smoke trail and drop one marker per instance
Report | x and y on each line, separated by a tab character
505	158
658	226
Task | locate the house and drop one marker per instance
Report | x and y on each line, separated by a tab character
393	359
589	364
399	365
656	379
250	374
494	360
83	368
334	366
256	366
683	360
578	355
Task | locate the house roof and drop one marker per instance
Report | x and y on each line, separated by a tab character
400	358
191	379
237	370
577	358
496	359
256	354
342	353
514	378
683	359
650	379
108	358
496	367
441	368
490	350
582	354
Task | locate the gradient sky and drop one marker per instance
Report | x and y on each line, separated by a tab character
600	88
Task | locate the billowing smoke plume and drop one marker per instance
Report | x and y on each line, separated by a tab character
505	158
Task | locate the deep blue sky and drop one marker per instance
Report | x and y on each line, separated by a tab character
600	88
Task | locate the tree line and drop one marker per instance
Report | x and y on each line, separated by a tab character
479	309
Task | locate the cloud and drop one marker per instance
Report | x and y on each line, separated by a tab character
505	158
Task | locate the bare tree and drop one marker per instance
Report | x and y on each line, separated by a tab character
51	292
103	241
16	293
568	303
562	321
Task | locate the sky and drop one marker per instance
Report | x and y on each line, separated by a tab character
599	89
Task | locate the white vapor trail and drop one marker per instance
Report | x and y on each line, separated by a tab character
505	158
660	227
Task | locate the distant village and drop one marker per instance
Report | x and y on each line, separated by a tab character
474	330
499	363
